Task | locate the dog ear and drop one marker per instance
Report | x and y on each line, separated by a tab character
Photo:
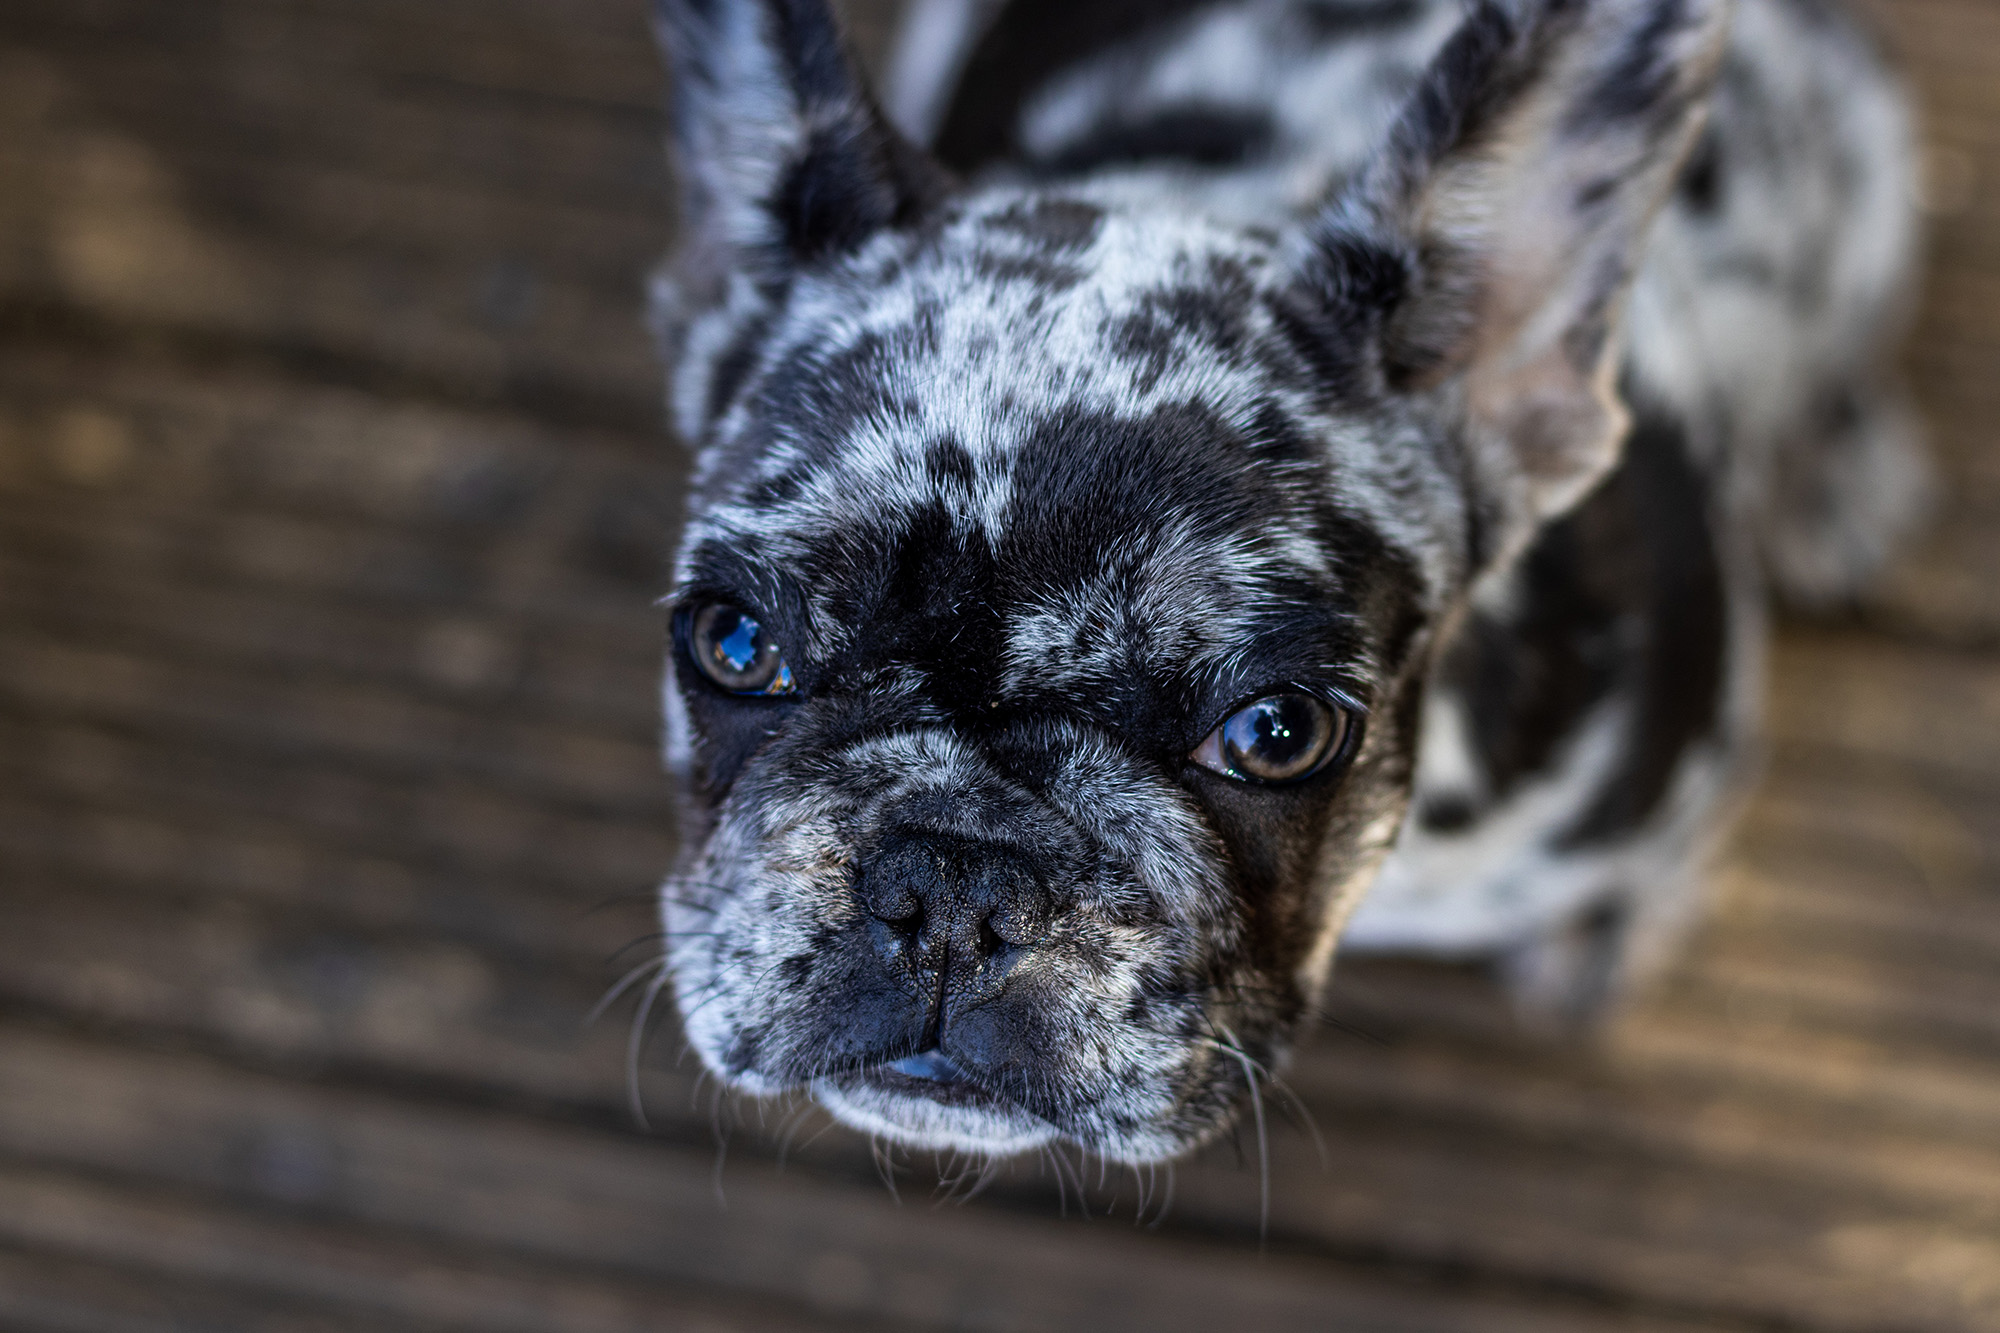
784	157
1485	251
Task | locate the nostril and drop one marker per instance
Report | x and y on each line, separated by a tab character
991	941
903	912
1013	930
1022	906
892	885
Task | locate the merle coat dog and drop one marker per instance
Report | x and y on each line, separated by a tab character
1213	457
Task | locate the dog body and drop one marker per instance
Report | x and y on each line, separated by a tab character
1310	412
1590	721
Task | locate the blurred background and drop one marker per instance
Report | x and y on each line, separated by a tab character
333	497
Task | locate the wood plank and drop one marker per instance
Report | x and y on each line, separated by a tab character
1639	1184
1933	708
189	97
370	728
237	476
204	815
598	677
83	1253
252	807
593	51
504	296
1951	50
1910	998
380	565
536	280
304	991
149	267
1943	586
1854	895
44	1293
509	1185
504	908
256	192
1613	1107
1912	842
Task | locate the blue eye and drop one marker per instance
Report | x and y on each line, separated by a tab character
1280	738
732	649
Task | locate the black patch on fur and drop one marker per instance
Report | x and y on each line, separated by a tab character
947	463
923	585
1594	193
1683	670
858	175
1057	224
1084	483
782	489
1447	814
1334	20
733	367
830	396
1170	323
854	174
1475	77
1277	436
1207	136
1335	316
1702	179
1641	82
1624	595
1027	45
1045	274
1528	681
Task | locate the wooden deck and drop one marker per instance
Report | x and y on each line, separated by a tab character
332	499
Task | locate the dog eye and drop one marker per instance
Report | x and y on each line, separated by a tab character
1280	738
732	649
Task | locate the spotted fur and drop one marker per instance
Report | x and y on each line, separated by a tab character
1222	347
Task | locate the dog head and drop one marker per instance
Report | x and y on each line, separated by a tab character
1060	574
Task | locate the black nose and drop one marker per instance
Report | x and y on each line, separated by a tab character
950	914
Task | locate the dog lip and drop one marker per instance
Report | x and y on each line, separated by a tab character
931	1065
931	1076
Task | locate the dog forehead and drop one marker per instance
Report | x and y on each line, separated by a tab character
1017	304
1047	404
1092	545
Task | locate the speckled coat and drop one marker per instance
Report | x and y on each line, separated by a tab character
1467	369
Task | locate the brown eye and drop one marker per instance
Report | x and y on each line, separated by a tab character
732	649
1280	738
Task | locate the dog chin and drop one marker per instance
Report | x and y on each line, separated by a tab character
880	1101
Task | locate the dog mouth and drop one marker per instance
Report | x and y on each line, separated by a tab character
929	1100
932	1076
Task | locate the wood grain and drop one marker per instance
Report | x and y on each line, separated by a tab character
332	503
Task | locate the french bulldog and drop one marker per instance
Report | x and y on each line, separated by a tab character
1193	480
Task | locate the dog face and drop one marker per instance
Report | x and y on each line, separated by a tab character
1067	708
1061	571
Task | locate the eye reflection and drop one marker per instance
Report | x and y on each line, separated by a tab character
1280	738
731	648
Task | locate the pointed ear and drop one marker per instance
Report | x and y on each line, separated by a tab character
784	157
1486	250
